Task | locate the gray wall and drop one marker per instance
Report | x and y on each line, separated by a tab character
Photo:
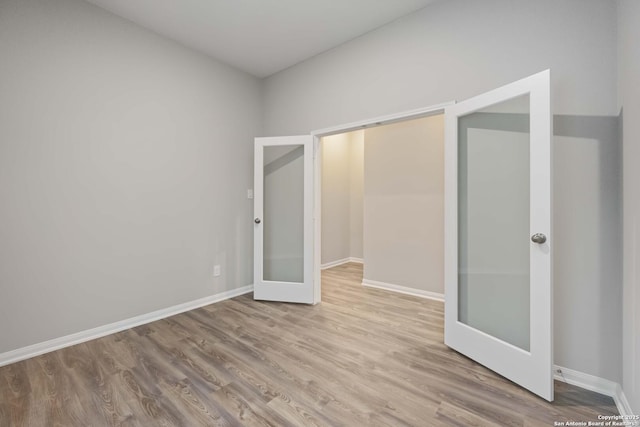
124	164
336	198
342	196
453	50
629	98
404	204
587	226
459	48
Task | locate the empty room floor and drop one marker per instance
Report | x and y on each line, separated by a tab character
363	357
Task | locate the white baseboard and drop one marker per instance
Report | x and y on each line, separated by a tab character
597	384
623	404
403	290
101	331
340	262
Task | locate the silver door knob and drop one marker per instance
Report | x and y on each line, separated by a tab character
538	238
257	220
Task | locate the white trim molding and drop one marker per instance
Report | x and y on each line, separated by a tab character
340	262
597	384
383	120
622	403
403	290
101	331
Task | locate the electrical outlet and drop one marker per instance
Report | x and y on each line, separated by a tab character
216	270
249	194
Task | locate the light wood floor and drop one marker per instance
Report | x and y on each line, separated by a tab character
363	357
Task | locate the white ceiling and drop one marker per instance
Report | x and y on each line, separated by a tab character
261	37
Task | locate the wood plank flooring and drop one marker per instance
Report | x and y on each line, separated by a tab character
363	357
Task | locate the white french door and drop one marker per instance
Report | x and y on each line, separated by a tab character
283	219
498	282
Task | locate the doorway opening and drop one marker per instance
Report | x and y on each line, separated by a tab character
350	128
382	204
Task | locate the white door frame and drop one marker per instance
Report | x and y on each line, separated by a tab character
317	171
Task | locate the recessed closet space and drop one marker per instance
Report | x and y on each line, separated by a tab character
383	204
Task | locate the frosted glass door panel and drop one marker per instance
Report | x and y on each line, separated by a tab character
493	221
283	218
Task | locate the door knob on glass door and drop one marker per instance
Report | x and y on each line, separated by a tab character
257	220
538	238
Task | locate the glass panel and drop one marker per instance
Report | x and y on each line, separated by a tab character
283	213
493	221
